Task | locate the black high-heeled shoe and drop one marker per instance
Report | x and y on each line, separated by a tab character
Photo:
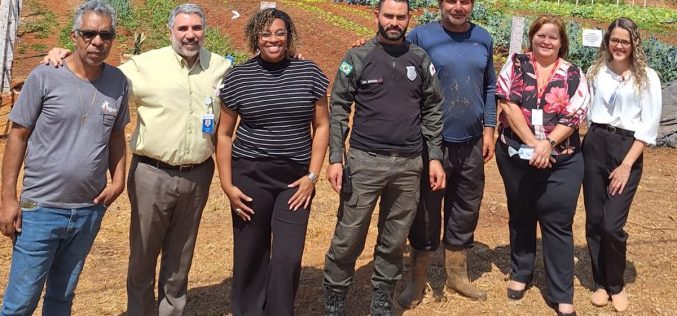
517	295
566	314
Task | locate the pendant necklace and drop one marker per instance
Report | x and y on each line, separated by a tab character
87	109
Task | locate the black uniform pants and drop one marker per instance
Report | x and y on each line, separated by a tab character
547	197
464	166
606	215
267	249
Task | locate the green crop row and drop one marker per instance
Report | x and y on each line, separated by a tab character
331	18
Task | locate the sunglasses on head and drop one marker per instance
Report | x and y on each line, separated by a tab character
90	35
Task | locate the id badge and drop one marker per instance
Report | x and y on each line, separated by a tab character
537	117
208	123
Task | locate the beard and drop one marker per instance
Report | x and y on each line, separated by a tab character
391	37
184	50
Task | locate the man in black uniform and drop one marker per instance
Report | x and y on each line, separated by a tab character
397	108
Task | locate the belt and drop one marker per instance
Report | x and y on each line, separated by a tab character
613	129
394	153
163	165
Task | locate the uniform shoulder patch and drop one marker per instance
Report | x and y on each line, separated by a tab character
432	69
346	68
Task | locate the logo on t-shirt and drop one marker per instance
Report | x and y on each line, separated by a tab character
107	109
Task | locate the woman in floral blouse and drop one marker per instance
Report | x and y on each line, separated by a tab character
543	99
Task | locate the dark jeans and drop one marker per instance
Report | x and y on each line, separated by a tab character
464	166
547	197
267	249
396	180
606	215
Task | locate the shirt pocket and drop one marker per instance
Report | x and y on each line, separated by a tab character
107	122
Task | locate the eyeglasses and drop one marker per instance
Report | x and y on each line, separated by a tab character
615	41
89	35
266	36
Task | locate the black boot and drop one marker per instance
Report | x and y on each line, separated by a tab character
382	301
335	303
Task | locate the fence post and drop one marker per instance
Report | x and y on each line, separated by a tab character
516	35
9	20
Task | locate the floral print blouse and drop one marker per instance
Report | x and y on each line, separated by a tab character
564	100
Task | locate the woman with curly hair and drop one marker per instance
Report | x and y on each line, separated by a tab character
543	99
624	117
269	171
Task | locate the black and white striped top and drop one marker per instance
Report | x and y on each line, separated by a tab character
275	103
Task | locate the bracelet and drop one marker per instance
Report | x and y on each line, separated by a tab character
313	177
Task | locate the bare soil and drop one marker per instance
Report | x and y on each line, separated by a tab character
652	248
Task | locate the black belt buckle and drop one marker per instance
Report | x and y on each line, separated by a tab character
612	129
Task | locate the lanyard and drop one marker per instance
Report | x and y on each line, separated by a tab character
539	91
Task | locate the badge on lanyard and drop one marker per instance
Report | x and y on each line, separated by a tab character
208	119
536	117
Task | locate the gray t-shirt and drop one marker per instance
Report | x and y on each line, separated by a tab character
71	121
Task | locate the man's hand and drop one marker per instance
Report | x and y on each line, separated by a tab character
358	43
488	144
335	176
55	56
437	176
10	218
109	194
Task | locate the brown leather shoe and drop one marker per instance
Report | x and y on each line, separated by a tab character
619	301
415	290
600	298
456	266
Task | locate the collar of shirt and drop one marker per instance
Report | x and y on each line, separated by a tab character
201	59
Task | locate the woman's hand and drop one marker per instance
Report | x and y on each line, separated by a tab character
237	203
619	178
303	195
542	155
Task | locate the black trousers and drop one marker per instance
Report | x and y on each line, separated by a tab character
547	197
464	166
267	249
606	215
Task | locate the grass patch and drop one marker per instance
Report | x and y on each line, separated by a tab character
41	24
219	43
331	18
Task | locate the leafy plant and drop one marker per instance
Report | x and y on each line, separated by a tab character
219	43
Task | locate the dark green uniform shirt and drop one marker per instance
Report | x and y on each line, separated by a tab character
397	100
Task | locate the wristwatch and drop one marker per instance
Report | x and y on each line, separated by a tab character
313	177
552	142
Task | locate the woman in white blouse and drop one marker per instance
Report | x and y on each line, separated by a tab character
623	117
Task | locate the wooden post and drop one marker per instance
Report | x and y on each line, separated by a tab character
9	19
516	35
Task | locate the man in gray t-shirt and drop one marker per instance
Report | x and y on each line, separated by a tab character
68	130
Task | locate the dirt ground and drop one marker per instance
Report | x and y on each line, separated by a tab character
652	248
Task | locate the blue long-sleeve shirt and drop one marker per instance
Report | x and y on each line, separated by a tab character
465	68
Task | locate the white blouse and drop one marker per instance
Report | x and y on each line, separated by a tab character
616	102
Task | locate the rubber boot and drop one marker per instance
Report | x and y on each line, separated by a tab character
413	293
456	266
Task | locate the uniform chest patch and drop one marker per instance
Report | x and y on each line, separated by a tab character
411	73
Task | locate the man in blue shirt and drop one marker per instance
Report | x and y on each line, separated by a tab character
462	53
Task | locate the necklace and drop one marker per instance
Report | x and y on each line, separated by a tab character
86	109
